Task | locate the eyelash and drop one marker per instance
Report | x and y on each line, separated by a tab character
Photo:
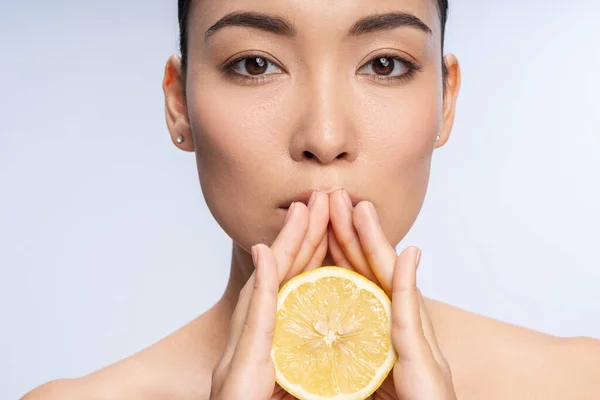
412	69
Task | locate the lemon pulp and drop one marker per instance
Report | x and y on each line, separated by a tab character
332	337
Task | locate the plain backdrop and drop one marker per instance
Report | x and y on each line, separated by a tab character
103	227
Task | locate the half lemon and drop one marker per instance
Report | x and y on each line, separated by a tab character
332	336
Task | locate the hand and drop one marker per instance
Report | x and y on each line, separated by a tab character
357	241
245	370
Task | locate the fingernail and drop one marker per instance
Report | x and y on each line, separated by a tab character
348	201
373	212
290	212
418	258
312	198
255	255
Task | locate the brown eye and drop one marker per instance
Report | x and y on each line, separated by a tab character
386	67
254	66
383	66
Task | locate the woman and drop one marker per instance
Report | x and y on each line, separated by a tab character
314	124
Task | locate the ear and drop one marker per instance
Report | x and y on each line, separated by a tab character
450	96
175	104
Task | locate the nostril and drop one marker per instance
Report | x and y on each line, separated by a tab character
310	156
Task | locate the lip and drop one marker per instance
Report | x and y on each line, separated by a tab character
304	197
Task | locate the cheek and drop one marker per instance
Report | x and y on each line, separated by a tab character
235	145
399	148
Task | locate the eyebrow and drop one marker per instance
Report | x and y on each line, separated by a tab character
380	22
265	22
282	26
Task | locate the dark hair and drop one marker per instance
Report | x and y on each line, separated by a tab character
184	7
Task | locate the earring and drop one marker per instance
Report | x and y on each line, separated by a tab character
438	138
180	139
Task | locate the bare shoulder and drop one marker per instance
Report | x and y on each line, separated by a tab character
59	389
92	387
178	366
492	359
578	368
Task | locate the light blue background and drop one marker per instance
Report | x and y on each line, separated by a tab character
106	244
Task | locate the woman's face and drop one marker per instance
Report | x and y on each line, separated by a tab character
329	96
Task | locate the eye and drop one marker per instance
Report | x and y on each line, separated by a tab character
387	67
254	66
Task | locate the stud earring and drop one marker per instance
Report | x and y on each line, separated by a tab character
438	138
180	139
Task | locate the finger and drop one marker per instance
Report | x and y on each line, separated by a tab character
254	346
336	251
429	332
320	254
340	211
237	320
407	330
318	207
380	255
288	242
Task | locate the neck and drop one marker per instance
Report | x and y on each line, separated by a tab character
241	269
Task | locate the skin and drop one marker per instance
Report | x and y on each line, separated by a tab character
321	124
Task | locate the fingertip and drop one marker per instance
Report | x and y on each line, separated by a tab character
317	198
322	201
261	264
365	224
366	210
312	199
347	198
301	206
362	209
254	252
296	210
413	255
269	265
302	213
336	199
405	269
325	196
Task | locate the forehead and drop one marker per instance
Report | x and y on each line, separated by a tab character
313	16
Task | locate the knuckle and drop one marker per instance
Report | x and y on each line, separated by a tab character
287	255
309	248
251	329
404	289
313	242
370	252
248	328
347	241
263	287
399	325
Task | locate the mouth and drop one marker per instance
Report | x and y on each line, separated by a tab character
304	197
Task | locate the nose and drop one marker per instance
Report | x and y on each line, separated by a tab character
324	130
